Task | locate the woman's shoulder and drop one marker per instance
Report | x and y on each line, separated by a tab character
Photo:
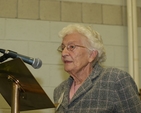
118	78
115	71
59	90
115	74
61	85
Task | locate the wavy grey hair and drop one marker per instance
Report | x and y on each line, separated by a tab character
94	39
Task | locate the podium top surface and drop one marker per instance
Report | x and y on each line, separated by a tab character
32	96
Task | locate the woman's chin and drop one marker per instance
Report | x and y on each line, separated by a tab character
67	69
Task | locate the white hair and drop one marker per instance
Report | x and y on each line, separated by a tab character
94	39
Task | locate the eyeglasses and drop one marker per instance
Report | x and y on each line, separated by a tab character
69	47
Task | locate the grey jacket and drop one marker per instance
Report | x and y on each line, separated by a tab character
105	91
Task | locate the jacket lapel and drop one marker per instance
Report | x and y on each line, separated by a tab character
84	88
89	83
65	101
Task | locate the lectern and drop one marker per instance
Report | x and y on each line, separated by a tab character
20	89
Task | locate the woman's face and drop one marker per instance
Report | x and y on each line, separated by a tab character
78	59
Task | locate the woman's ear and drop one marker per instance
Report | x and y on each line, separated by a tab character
93	55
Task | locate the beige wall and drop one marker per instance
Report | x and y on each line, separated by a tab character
65	11
30	27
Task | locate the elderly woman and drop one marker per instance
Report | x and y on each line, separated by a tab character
90	87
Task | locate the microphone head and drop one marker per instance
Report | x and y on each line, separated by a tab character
37	63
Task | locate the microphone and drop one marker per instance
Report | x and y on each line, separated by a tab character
34	62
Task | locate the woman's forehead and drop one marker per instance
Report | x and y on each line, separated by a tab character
74	37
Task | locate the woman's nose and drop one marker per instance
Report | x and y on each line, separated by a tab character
65	52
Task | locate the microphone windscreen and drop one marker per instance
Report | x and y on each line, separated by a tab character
37	63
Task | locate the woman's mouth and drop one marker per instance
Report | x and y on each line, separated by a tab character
66	61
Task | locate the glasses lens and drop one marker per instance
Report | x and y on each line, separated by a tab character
60	48
71	47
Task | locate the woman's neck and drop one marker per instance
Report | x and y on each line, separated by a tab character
81	76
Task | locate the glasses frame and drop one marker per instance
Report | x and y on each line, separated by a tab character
61	48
